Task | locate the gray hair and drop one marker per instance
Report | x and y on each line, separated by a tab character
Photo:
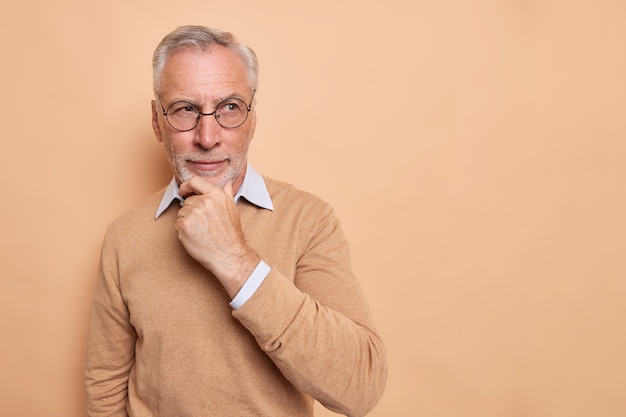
202	38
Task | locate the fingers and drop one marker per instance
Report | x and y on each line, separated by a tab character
195	185
228	189
201	186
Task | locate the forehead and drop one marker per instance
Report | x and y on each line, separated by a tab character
194	72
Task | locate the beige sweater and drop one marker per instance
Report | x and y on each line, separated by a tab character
164	341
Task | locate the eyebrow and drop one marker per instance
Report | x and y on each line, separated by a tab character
217	101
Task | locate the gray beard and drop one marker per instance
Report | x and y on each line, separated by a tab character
185	174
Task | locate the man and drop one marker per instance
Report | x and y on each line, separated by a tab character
227	293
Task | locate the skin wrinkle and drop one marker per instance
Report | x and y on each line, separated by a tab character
205	78
171	327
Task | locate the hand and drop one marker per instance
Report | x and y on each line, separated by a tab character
209	228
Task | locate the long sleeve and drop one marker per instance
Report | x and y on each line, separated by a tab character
110	346
317	327
164	341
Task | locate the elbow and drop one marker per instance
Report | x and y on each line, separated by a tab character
373	387
367	384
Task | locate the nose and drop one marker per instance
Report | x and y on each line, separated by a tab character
208	132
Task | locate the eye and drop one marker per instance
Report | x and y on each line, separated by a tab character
230	106
181	108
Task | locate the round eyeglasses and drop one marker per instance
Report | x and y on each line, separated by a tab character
229	113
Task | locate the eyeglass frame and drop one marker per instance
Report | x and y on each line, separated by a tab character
213	113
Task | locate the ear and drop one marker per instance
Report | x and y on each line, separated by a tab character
155	122
252	123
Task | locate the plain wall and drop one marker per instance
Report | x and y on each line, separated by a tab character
475	152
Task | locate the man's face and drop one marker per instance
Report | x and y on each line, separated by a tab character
210	150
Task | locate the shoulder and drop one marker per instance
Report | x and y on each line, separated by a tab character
287	196
139	216
300	210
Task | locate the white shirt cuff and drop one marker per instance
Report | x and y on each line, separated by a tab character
251	285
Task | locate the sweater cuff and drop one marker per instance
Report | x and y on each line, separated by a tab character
270	312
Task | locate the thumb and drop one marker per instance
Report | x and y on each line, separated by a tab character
228	189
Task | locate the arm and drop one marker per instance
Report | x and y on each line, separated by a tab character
110	345
315	326
318	330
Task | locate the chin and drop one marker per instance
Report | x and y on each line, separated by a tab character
217	179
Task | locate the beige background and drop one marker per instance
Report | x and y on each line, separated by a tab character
474	150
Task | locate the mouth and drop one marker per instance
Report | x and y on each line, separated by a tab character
206	165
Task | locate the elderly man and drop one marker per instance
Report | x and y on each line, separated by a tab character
226	293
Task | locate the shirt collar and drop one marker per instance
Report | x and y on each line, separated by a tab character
252	188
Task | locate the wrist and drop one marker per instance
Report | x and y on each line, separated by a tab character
239	270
